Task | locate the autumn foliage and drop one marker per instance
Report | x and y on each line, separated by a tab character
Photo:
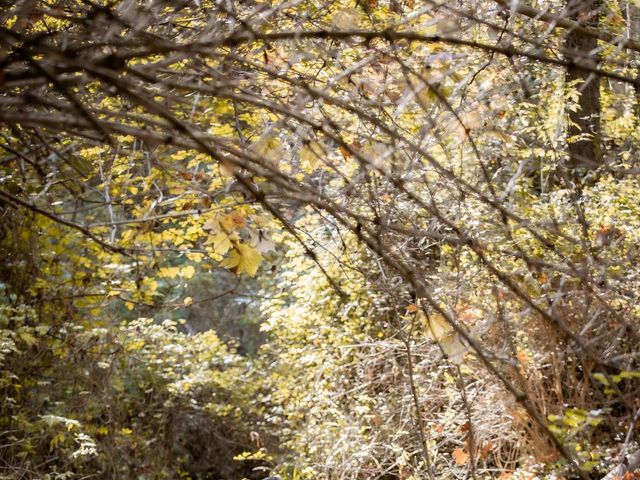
320	240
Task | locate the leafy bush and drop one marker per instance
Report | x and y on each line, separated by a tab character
141	400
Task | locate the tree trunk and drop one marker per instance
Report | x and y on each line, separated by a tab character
633	30
585	122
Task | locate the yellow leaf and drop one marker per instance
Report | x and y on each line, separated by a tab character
310	155
195	257
169	272
149	286
453	347
232	260
28	338
133	346
259	455
269	148
224	130
188	272
244	258
221	243
57	438
437	327
250	259
439	330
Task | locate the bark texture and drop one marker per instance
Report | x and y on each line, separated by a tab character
585	152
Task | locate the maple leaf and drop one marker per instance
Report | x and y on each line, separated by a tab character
243	258
250	259
221	243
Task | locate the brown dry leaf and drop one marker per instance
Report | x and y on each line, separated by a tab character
616	20
227	169
344	151
586	17
486	448
395	7
404	472
523	358
370	4
468	315
413	308
460	456
629	476
607	234
232	221
205	201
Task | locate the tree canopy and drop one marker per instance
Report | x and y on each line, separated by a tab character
319	239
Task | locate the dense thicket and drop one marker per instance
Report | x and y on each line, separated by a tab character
350	239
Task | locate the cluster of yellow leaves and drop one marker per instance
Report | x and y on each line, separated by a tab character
225	240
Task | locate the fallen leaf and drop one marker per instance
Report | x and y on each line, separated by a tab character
460	456
413	308
486	448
